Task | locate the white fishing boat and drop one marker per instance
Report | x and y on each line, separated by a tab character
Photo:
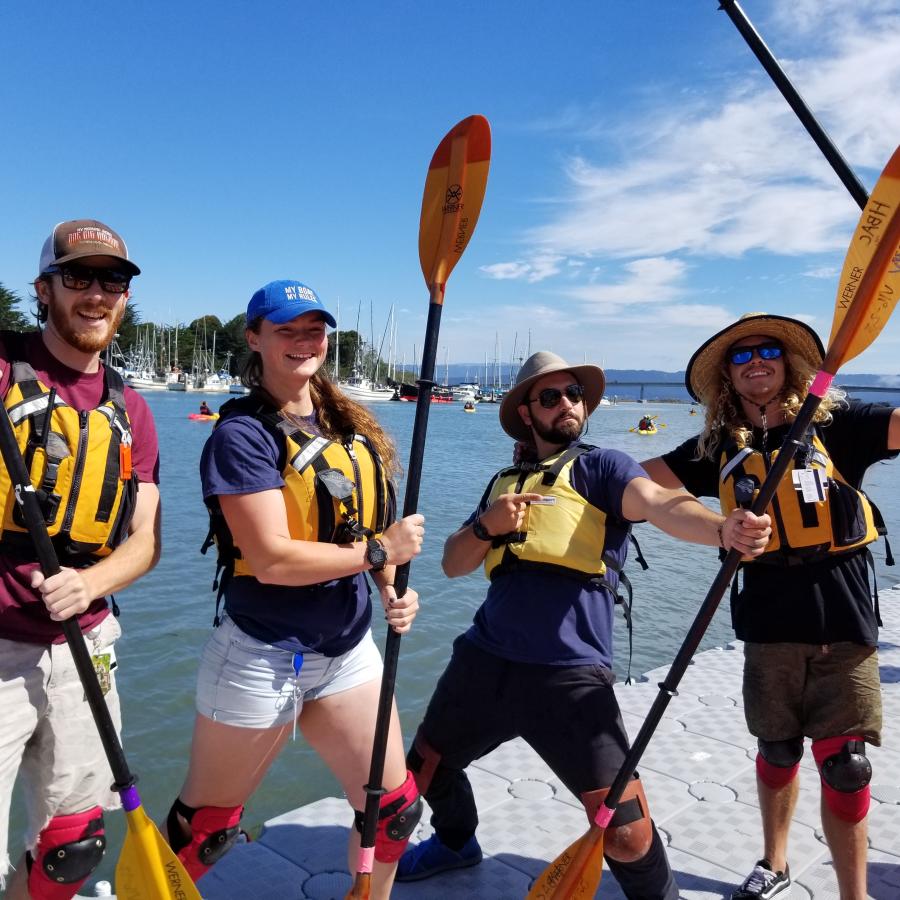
467	391
358	387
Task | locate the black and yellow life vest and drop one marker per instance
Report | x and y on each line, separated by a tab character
79	462
334	491
834	517
567	536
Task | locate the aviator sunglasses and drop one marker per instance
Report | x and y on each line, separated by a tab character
550	397
740	356
80	278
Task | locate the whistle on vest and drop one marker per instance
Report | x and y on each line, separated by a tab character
745	490
125	457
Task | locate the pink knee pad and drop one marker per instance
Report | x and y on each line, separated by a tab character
67	851
214	830
399	812
775	777
845	774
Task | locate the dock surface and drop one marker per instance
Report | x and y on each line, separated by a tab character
699	774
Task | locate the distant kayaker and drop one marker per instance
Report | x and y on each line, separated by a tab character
60	390
646	424
297	480
552	533
805	611
204	409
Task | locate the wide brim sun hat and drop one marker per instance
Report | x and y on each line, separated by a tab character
703	376
539	364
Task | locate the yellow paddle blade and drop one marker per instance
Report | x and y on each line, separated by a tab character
873	229
148	868
575	874
454	190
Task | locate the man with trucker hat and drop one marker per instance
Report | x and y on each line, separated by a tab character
91	447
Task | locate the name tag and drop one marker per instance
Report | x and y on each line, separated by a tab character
810	483
544	501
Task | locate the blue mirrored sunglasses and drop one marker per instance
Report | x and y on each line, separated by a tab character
740	356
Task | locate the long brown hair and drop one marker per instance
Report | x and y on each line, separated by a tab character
339	417
725	415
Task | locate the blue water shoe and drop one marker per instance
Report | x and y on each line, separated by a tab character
430	857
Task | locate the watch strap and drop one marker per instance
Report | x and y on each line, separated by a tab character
480	531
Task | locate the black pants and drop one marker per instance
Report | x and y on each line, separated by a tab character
568	714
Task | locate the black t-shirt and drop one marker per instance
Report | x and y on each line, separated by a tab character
820	602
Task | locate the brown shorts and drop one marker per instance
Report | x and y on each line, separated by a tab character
812	690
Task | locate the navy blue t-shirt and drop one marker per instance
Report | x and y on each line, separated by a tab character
243	457
552	619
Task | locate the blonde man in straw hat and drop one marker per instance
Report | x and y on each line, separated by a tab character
805	611
537	662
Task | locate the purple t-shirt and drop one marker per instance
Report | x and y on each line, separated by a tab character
243	457
551	619
23	615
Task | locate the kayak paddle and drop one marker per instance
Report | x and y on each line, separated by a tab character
454	191
795	101
148	868
867	294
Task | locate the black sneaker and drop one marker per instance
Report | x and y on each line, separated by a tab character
762	883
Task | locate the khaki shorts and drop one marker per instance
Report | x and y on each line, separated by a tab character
48	735
811	690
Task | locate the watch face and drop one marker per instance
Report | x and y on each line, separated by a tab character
376	555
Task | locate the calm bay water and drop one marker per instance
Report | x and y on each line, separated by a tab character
167	615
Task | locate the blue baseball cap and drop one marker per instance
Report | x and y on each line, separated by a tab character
281	301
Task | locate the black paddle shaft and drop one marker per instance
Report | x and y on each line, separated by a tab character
795	101
374	788
667	688
46	553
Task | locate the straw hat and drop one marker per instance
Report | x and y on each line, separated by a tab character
702	377
539	364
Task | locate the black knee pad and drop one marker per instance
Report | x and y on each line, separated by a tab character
848	770
783	754
69	848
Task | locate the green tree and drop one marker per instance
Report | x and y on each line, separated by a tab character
11	318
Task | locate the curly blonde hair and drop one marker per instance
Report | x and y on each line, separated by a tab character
338	415
724	416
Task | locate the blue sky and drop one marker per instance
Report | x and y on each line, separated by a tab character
648	183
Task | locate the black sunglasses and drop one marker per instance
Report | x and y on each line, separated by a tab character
80	278
550	397
740	356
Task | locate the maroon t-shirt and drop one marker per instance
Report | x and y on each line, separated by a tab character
23	615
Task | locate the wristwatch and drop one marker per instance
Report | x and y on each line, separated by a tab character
480	531
376	555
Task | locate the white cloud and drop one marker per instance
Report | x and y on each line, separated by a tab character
538	268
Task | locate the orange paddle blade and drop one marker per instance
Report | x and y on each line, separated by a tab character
874	228
454	190
575	874
360	888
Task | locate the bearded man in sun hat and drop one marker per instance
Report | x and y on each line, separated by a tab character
91	447
551	532
806	612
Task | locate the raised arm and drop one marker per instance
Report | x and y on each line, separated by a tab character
683	516
660	472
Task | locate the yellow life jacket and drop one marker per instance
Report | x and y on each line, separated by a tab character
334	491
80	466
829	517
567	535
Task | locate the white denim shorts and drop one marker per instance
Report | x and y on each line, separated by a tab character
48	735
251	684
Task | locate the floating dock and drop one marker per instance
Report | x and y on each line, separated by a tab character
699	774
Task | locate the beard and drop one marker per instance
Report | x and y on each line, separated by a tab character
562	433
64	321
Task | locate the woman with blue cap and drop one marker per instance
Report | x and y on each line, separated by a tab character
297	480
